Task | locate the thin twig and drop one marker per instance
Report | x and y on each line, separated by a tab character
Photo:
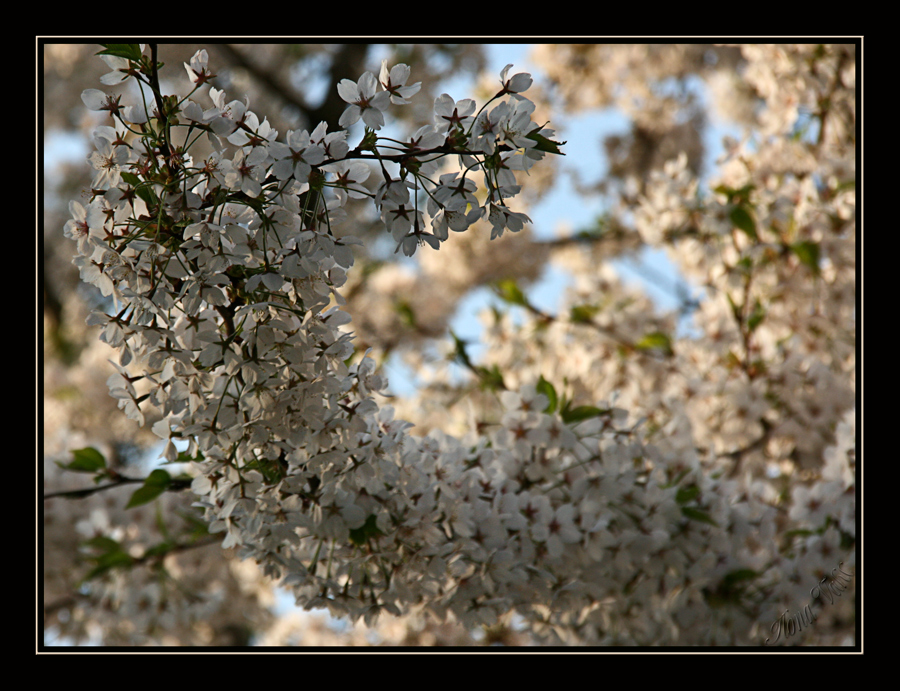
174	486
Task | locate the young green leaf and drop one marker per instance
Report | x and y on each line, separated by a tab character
697	515
732	578
369	530
406	313
108	561
129	51
155	484
583	314
686	494
735	196
656	340
491	378
678	478
756	317
510	291
108	554
459	354
141	189
808	254
742	218
543	144
102	543
582	412
87	460
546	388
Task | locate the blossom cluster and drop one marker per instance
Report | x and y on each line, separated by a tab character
766	390
225	276
593	526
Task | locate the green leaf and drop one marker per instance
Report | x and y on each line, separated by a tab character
583	314
656	340
141	189
546	388
109	555
459	354
406	313
129	51
491	378
800	532
808	254
510	292
361	535
270	470
735	308
724	189
161	524
543	144
847	185
582	412
697	515
185	457
686	494
756	317
109	561
734	577
87	460
735	195
678	478
160	549
155	484
742	218
104	544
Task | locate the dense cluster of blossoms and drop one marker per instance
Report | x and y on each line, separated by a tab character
767	388
226	277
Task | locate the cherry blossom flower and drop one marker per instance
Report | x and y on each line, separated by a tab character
502	218
517	83
393	82
85	226
198	70
450	114
253	133
364	102
108	160
119	67
296	157
248	171
333	143
94	99
349	176
223	117
516	125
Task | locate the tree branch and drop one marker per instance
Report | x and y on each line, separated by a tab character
175	485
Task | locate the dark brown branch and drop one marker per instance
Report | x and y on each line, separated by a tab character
175	486
264	77
348	63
